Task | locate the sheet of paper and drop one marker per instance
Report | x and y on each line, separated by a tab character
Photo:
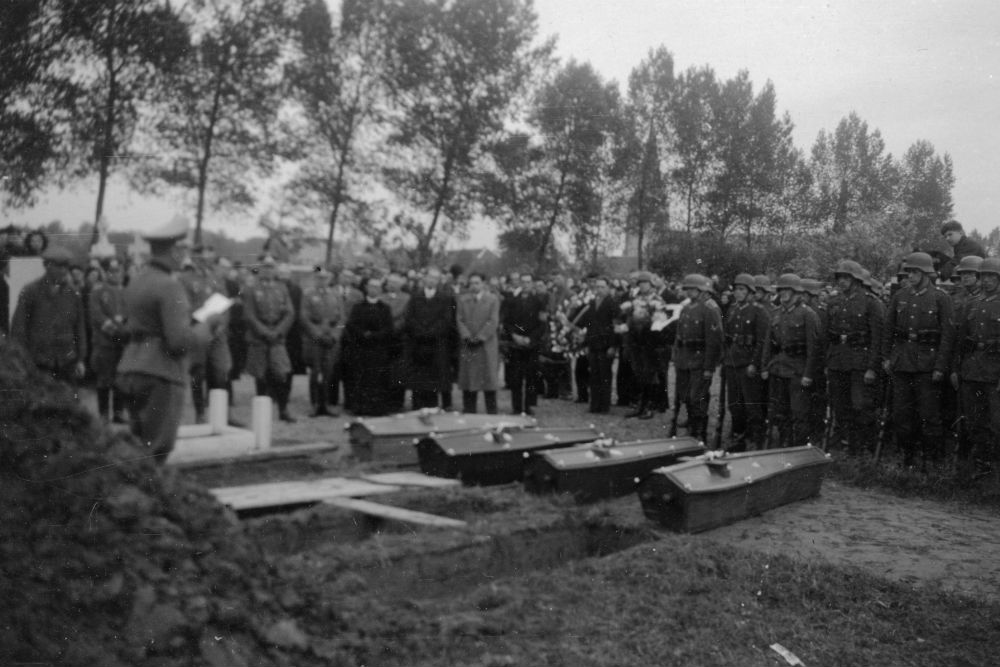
214	305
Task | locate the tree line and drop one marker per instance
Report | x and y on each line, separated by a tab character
405	120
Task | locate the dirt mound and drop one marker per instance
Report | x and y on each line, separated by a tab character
107	559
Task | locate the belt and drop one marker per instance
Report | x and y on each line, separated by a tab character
792	349
855	339
926	337
992	347
691	344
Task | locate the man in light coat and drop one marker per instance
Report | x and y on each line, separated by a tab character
479	350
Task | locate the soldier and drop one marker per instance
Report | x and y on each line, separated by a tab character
746	331
153	372
853	356
968	289
818	421
349	295
321	320
917	349
108	334
697	351
978	375
49	320
791	360
429	333
212	365
269	313
478	320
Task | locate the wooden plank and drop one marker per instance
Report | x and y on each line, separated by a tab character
277	494
259	455
410	478
395	513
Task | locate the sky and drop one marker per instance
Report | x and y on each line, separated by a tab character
911	69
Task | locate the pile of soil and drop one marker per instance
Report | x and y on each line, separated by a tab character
108	559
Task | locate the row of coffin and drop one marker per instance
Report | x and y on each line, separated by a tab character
679	483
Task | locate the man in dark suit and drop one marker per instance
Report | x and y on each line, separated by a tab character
428	330
522	326
599	321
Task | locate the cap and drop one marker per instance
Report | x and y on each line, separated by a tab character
58	255
175	230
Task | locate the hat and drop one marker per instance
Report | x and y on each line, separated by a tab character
175	230
951	226
58	255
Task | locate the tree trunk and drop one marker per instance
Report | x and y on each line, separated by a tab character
206	152
107	139
543	244
424	243
338	195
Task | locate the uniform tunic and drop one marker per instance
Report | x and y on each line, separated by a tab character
697	351
978	365
269	313
49	322
153	372
320	316
746	332
792	354
108	332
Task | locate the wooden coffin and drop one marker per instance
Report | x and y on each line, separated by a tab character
392	438
493	457
603	470
711	492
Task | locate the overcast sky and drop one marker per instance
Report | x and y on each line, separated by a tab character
912	69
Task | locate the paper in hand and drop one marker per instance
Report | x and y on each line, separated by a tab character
214	305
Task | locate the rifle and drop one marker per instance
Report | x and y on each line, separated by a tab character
885	415
722	408
828	427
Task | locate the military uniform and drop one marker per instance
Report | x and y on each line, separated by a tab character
918	346
153	371
697	352
746	333
269	314
321	318
978	340
49	322
855	339
819	398
792	353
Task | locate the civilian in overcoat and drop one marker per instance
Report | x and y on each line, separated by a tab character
479	350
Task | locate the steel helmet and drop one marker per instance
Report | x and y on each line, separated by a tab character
920	261
810	286
990	265
696	281
969	264
762	282
744	279
789	281
850	268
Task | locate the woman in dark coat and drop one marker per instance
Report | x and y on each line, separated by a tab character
367	338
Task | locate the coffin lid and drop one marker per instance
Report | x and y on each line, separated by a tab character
737	470
505	440
421	422
592	455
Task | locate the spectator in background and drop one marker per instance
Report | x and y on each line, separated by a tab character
428	328
366	343
522	326
348	295
397	300
321	319
269	313
479	356
108	334
35	243
49	320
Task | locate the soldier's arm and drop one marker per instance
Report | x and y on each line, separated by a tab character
314	330
179	334
288	317
946	322
713	338
876	321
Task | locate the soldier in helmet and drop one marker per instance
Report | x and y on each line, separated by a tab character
917	349
108	333
49	320
978	374
269	312
697	351
791	360
854	355
813	299
746	332
320	315
968	288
